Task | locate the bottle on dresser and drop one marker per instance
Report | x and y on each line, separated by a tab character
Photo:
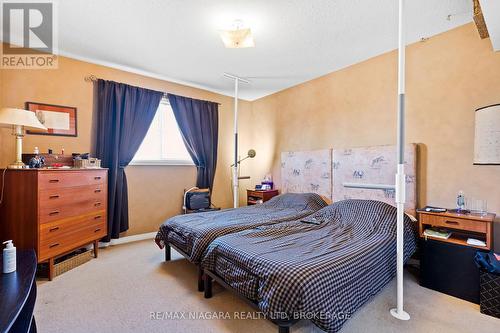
9	257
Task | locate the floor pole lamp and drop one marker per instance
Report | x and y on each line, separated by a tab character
251	154
235	166
400	183
19	120
398	312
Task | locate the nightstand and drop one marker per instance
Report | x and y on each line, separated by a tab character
462	227
257	197
447	265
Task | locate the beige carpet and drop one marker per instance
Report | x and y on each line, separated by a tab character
118	291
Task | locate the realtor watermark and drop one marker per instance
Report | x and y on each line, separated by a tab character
247	315
29	35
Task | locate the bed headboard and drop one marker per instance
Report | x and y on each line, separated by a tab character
307	171
373	165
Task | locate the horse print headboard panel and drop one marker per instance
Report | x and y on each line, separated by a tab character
373	165
307	171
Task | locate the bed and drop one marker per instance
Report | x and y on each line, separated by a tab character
191	234
322	267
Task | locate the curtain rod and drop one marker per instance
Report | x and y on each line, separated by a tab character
92	78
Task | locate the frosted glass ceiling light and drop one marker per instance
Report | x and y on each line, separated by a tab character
238	36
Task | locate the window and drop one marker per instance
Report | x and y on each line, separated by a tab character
163	144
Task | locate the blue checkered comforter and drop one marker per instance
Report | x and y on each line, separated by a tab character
322	267
192	233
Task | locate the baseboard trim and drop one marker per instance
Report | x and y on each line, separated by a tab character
128	239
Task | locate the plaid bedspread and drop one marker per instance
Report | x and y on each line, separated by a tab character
322	268
192	233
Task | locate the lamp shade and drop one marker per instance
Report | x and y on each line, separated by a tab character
17	117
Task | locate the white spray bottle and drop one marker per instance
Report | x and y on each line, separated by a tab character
9	257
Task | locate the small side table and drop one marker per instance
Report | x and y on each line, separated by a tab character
447	265
463	226
257	197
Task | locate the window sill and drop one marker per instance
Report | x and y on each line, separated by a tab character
162	163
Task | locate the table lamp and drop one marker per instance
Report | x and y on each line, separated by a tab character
19	120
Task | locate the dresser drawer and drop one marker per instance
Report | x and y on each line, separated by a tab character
59	197
60	179
454	223
56	229
61	236
60	203
49	214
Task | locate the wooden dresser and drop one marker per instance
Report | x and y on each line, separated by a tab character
54	211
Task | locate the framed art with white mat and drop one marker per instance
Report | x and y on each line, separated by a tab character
487	135
60	120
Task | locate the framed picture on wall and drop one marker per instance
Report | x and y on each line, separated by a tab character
59	120
487	136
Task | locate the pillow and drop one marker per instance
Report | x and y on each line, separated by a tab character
301	201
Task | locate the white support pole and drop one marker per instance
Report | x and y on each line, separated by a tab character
399	312
236	194
236	190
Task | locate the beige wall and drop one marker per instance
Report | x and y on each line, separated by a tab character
155	192
448	77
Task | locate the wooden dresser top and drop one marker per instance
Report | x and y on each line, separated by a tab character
55	169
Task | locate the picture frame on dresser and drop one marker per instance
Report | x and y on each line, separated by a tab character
60	120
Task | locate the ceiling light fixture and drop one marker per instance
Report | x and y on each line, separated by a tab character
238	36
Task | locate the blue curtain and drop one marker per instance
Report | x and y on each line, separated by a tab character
124	114
199	125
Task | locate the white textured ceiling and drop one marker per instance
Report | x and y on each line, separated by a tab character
296	40
491	12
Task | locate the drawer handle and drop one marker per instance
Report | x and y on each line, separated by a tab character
97	204
54	181
54	213
97	217
97	191
97	230
452	222
53	245
53	229
97	178
55	196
